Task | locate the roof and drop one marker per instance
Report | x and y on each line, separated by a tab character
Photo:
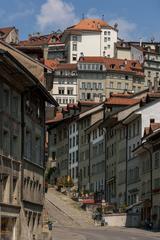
41	40
66	66
51	63
124	94
6	30
57	118
115	64
153	126
121	101
90	24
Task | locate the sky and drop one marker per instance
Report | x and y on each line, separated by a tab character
137	19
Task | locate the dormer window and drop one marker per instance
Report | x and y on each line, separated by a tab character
112	66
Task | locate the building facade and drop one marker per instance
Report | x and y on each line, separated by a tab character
82	38
22	137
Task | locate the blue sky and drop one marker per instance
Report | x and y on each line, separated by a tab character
136	18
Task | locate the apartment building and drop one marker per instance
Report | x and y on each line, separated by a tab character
98	77
81	39
96	142
149	152
65	88
22	127
135	124
147	54
117	108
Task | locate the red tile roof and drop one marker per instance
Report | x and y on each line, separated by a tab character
5	31
41	40
51	63
90	24
121	101
151	128
69	66
125	94
57	118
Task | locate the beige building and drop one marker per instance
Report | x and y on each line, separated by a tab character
98	77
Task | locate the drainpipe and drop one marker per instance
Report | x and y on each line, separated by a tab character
151	177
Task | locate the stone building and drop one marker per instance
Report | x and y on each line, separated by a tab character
22	128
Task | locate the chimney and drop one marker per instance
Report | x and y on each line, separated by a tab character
155	85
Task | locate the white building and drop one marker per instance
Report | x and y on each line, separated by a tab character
65	84
89	37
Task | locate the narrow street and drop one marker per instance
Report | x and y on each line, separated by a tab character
71	223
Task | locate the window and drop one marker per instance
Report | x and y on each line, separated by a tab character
105	48
74	38
88	96
61	91
73	173
6	100
126	77
73	157
38	149
157	160
6	142
88	85
83	96
108	46
134	129
126	86
74	57
119	85
70	91
108	55
99	85
28	144
109	33
94	85
109	39
111	84
73	127
105	32
77	156
15	107
74	141
15	147
74	47
157	74
83	85
105	39
149	74
130	152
